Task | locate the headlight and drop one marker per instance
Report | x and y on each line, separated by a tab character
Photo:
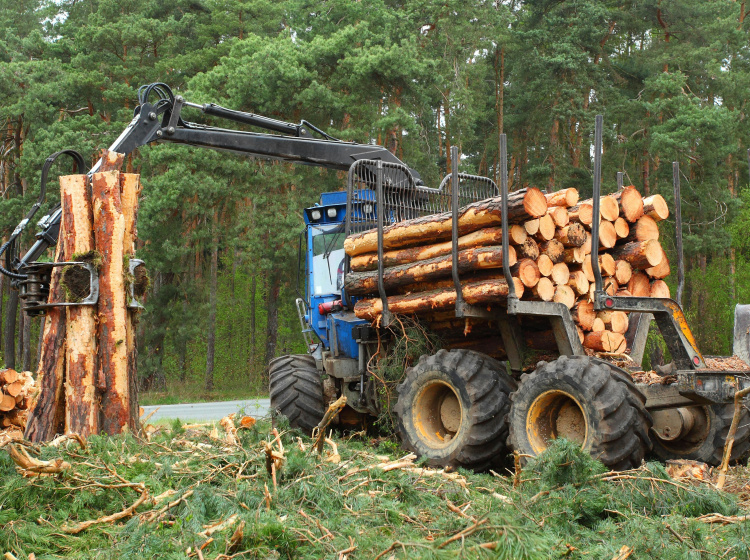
367	208
331	212
316	215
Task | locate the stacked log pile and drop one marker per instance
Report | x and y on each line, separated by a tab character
16	390
550	258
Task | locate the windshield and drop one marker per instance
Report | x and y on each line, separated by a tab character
328	260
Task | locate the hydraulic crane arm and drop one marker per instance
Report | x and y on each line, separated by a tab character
161	121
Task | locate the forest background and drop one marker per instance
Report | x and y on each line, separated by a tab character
220	233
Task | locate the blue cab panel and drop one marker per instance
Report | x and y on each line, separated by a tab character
344	323
324	268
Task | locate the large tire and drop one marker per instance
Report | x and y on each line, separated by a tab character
705	441
452	407
296	390
584	400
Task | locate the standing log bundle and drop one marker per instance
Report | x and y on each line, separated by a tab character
87	375
550	246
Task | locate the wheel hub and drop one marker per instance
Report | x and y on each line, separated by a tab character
555	414
437	413
681	429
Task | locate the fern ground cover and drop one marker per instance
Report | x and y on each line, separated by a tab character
197	496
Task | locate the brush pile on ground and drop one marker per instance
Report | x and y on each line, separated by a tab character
550	246
258	491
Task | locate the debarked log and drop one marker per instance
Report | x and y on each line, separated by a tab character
481	238
486	292
523	204
360	283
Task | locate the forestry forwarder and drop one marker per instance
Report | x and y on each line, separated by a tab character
456	407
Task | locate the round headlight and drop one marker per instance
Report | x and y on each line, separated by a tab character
367	208
331	212
316	215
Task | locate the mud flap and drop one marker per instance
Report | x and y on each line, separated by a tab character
741	344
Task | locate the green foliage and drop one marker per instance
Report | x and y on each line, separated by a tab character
408	341
563	505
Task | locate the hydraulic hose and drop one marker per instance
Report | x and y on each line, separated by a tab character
8	273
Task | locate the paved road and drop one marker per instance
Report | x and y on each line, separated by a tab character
207	410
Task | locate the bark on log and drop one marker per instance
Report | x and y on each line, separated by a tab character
640	254
623	272
111	161
659	289
529	249
603	341
564	198
487	292
131	190
560	274
553	249
644	229
109	231
545	265
481	238
544	290
661	270
361	283
81	407
656	207
622	229
46	410
523	204
573	235
630	203
527	271
559	216
639	285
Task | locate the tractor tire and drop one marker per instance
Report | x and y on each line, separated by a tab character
705	441
296	391
452	407
586	401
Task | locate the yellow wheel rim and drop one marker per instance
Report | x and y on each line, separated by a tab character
552	415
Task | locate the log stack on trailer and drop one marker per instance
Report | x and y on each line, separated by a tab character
549	254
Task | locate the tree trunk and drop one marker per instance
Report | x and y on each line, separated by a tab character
208	382
21	335
11	313
77	237
272	323
2	302
109	233
131	190
251	354
47	415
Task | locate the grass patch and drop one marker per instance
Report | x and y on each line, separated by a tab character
562	505
188	392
